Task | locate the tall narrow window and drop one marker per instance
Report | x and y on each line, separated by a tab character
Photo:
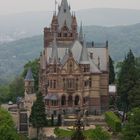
90	82
77	99
91	55
63	100
64	83
77	81
54	84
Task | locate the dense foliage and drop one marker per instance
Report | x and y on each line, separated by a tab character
128	82
131	129
15	89
7	130
111	71
38	115
11	91
113	121
91	134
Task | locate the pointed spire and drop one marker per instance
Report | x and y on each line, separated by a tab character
54	55
84	59
98	62
81	37
64	14
29	75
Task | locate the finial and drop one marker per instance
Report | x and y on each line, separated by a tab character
98	62
107	43
55	6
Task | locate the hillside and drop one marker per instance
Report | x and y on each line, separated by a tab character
17	26
14	55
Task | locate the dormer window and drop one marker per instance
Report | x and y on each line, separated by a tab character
86	68
91	55
65	10
65	34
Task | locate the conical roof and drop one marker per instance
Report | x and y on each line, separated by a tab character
64	15
84	59
29	75
81	36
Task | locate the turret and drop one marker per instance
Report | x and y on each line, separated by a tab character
81	36
74	23
54	24
54	55
84	59
29	82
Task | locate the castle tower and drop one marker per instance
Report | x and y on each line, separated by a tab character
29	82
64	24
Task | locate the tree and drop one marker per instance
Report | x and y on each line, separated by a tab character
111	71
38	115
7	130
131	130
137	137
4	94
34	65
16	88
12	91
127	78
78	135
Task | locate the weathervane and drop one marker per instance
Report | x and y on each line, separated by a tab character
55	6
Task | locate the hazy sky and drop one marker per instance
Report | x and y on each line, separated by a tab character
18	6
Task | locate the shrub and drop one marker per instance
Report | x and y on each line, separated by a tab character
113	121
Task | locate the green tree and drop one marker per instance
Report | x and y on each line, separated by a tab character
38	115
131	130
137	137
127	78
111	71
78	135
7	130
4	94
16	88
34	65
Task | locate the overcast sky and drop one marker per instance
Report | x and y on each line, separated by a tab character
18	6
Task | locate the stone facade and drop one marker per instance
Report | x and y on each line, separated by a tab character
73	74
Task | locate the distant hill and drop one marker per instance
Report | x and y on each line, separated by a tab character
17	26
15	54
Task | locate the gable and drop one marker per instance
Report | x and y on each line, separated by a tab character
70	67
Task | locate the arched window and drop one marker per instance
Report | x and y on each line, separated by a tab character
77	99
70	100
63	100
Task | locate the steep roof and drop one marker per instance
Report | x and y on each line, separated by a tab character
84	59
64	15
54	54
29	75
76	48
81	37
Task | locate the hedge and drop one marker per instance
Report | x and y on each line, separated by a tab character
113	121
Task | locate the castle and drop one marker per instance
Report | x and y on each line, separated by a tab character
73	73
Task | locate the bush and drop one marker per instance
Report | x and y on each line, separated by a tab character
113	121
92	134
96	134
